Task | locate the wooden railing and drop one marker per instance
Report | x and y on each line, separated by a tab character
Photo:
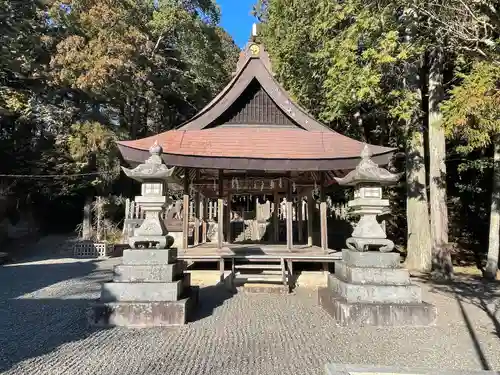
263	211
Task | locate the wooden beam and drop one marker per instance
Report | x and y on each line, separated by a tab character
197	210
323	217
220	211
185	210
228	219
310	218
300	226
204	220
222	267
276	221
289	217
209	183
252	175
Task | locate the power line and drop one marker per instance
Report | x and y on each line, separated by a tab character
54	175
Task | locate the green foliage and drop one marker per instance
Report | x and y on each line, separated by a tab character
92	146
472	113
76	75
362	68
344	61
155	64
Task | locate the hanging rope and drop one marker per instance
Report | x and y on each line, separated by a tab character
35	176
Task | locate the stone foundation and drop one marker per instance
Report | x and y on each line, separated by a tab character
371	288
149	289
358	314
144	314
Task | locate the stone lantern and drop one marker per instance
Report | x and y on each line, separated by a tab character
371	287
149	287
368	179
153	175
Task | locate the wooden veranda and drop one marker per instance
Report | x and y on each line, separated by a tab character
254	256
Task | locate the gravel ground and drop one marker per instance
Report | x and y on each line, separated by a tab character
43	330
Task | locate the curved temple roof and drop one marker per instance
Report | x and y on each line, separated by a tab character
253	124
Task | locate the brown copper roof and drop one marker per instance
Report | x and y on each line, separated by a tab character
247	148
262	143
217	138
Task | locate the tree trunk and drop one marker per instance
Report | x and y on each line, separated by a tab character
490	271
437	167
135	118
99	219
87	219
419	250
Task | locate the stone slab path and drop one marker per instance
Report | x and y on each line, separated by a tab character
43	330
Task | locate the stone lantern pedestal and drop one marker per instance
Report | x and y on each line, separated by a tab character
369	286
149	288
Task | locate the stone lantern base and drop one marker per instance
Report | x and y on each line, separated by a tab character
371	289
149	289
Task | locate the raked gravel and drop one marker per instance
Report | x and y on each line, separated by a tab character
43	330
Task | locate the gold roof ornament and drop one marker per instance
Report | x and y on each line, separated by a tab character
254	49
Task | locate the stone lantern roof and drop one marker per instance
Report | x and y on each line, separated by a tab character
152	169
367	171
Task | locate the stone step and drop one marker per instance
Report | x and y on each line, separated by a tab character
257	259
253	266
149	256
375	293
143	292
258	288
371	275
147	273
342	369
259	272
258	277
374	259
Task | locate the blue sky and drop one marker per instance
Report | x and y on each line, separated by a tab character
236	19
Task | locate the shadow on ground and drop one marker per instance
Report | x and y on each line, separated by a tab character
41	309
44	306
477	292
20	279
210	298
34	327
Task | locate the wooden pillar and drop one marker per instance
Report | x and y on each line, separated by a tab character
220	211
300	223
310	216
323	217
197	210
204	213
185	210
276	221
228	219
289	217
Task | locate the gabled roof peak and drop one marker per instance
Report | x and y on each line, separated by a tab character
254	50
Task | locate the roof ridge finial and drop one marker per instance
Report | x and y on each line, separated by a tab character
254	29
